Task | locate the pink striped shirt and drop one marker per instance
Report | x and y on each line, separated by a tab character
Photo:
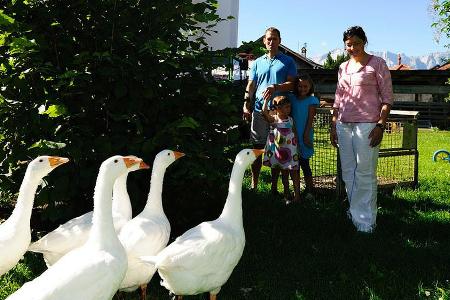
359	95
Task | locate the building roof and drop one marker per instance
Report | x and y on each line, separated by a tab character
399	66
301	60
442	67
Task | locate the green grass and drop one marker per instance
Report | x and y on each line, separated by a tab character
311	251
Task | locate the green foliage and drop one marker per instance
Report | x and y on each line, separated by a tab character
442	17
255	47
442	23
90	79
333	64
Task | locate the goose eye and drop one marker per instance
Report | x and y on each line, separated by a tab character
41	160
248	152
115	160
168	154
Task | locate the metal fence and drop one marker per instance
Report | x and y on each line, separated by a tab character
398	158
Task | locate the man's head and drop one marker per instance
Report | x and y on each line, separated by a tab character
272	39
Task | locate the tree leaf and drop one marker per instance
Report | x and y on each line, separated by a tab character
188	122
44	144
55	110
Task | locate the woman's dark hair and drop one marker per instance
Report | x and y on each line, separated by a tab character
355	31
304	76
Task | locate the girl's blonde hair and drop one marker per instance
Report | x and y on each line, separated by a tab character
308	78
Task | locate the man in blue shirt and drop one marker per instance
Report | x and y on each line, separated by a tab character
270	75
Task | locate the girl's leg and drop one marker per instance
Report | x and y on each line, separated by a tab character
307	173
275	174
285	180
295	175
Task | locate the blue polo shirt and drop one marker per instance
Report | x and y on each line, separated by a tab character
266	71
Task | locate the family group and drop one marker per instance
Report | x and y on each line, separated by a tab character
280	104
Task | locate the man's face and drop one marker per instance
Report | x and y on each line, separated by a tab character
271	40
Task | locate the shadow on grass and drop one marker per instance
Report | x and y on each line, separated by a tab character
312	251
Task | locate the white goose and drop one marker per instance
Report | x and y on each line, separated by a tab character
74	233
15	232
148	232
95	270
202	259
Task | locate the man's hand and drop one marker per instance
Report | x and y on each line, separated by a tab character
246	112
268	92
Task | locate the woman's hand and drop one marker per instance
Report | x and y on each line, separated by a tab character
375	136
333	136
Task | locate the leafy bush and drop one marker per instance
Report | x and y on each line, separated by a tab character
90	79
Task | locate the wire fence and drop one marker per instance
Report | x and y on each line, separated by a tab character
397	164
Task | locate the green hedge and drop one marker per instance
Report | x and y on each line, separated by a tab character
91	79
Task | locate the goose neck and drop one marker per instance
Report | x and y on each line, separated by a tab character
103	233
121	200
232	211
24	206
154	199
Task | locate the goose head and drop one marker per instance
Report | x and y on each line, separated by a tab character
42	165
166	157
137	166
247	156
118	165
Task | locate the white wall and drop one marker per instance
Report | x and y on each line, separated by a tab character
227	31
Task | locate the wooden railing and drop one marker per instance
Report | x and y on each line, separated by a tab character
414	82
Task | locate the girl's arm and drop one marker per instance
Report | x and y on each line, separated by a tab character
294	129
309	125
266	113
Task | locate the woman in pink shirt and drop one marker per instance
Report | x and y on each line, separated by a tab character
362	103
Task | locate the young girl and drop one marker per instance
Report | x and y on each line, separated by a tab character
281	152
303	112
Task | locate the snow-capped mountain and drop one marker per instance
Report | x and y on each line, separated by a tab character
422	62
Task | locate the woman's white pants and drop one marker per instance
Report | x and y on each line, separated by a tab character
359	172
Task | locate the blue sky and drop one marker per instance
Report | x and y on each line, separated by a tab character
400	26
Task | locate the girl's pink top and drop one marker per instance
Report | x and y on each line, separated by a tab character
360	95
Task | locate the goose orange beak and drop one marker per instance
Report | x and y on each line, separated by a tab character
131	160
178	154
57	161
258	152
143	165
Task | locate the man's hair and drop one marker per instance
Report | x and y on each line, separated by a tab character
273	29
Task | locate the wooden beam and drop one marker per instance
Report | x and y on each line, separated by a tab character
398	89
421	89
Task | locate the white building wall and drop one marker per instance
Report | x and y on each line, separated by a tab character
227	31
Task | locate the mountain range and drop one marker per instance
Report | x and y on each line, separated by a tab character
422	62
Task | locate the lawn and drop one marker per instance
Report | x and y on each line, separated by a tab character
311	251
